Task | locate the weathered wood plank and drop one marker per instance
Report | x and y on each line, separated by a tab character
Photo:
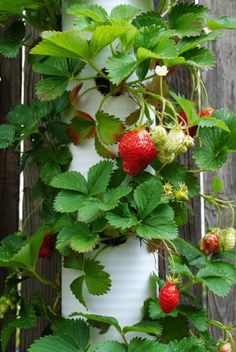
46	267
221	87
10	95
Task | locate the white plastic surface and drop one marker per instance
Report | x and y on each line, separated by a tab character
130	264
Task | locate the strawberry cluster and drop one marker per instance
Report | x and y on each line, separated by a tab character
170	144
218	240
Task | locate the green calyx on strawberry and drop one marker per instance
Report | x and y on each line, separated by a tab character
210	243
207	112
137	150
227	239
169	297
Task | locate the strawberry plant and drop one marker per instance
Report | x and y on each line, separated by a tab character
139	188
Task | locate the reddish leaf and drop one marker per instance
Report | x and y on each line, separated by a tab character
104	151
109	128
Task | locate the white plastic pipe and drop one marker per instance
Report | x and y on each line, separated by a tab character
130	265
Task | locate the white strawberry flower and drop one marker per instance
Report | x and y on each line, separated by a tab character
161	70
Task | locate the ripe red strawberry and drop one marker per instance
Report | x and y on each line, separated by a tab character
46	248
137	150
207	112
210	243
226	347
169	297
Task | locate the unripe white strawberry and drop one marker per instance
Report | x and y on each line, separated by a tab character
227	239
165	157
189	141
226	347
159	135
175	141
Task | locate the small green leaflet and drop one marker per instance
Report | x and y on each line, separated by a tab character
120	66
99	176
48	171
51	88
77	289
188	107
7	135
79	237
70	180
187	344
140	345
165	49
97	280
197	316
121	218
145	326
109	128
217	185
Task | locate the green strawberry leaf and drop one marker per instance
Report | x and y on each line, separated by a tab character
77	289
217	185
97	280
48	171
228	118
157	313
51	88
197	316
12	39
139	345
121	218
99	176
75	331
187	344
82	125
214	152
111	321
102	150
186	44
199	57
69	44
109	128
68	202
70	180
159	225
109	346
112	197
124	12
165	49
213	122
52	344
145	326
7	135
104	35
59	67
120	66
218	285
90	210
180	175
147	196
223	22
94	12
188	107
147	19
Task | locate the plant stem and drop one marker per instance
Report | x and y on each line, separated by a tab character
41	278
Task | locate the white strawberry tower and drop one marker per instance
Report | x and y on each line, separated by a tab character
130	265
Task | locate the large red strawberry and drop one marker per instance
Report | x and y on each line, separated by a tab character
169	297
137	150
210	243
46	248
207	112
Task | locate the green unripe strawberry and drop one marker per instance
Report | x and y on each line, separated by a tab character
227	239
165	156
159	135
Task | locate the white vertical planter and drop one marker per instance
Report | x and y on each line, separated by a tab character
130	264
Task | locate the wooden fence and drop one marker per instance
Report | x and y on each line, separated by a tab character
221	85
